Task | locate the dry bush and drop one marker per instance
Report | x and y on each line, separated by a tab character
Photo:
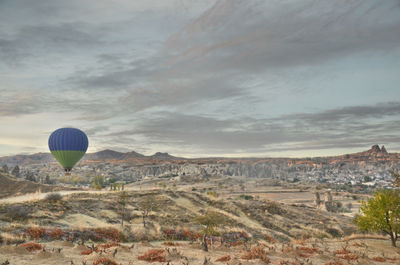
334	263
108	245
36	232
271	240
53	197
356	244
350	256
379	259
224	258
31	246
87	251
392	260
185	234
55	233
305	252
257	252
108	233
235	244
105	261
342	251
154	255
285	262
171	244
17	212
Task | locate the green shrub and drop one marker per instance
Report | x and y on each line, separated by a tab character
53	197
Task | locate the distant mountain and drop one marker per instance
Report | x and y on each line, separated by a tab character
162	156
104	155
376	153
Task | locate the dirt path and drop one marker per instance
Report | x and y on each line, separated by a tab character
40	196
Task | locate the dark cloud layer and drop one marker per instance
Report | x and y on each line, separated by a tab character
212	77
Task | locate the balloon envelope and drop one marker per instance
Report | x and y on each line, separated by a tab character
68	146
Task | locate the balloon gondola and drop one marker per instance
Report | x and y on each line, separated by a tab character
68	146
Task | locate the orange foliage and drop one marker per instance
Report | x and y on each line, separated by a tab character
270	239
307	250
56	233
237	243
334	263
224	258
342	252
171	244
349	257
256	252
105	261
31	246
36	232
154	255
87	252
108	245
285	262
109	233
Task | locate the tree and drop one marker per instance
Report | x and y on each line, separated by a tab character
381	214
146	205
29	176
210	220
47	180
5	168
396	176
122	202
15	171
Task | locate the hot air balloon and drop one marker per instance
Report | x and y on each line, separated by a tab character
68	145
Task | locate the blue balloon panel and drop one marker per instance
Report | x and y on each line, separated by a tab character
68	139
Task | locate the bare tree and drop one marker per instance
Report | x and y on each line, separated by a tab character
146	205
122	200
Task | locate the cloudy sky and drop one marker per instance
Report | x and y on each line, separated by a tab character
202	78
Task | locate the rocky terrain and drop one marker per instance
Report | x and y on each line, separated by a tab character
370	168
14	187
87	229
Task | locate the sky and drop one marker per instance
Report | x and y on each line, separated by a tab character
292	78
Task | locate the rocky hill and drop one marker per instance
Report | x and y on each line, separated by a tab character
375	163
14	187
375	154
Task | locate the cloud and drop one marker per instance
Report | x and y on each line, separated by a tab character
348	128
33	41
226	76
282	34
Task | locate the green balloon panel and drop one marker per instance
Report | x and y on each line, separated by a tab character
67	158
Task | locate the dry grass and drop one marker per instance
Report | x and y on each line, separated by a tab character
105	261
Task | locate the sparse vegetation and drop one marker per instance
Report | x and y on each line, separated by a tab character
146	205
381	214
53	197
154	255
17	212
32	246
